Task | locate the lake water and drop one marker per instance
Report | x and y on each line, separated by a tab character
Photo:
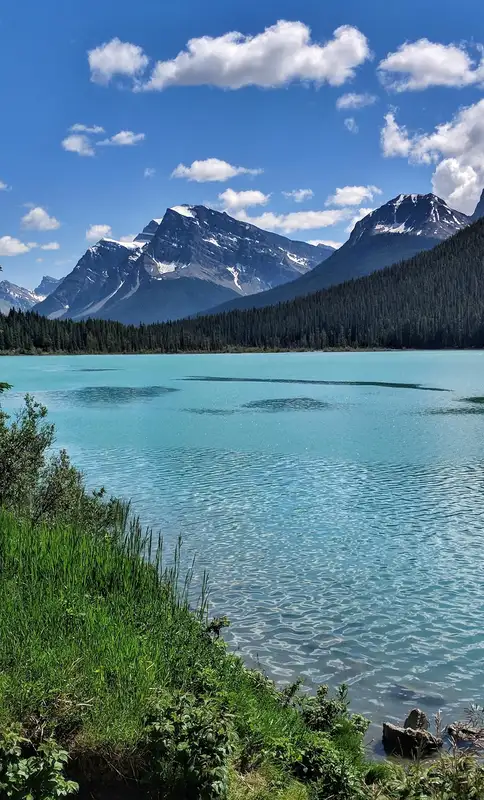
337	501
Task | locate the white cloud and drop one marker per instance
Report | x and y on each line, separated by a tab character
4	187
149	172
96	232
78	143
423	63
123	139
455	147
50	246
352	195
116	58
129	238
297	221
39	260
281	54
356	101
212	169
299	195
37	219
350	124
394	138
362	212
13	247
78	128
234	201
327	242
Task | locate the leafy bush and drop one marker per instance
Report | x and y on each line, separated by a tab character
43	487
188	743
28	773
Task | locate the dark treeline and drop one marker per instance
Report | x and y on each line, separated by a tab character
434	300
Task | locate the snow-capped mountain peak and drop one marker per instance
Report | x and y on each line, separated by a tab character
190	260
424	215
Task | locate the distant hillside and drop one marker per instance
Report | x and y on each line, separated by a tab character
433	300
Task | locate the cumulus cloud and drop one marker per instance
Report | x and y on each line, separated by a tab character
418	65
50	246
355	101
234	201
360	214
116	58
281	54
78	128
37	219
149	172
456	148
78	143
9	246
296	221
212	169
327	242
299	195
352	195
96	232
350	124
394	138
129	238
123	139
4	187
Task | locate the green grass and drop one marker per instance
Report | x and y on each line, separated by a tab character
94	632
96	635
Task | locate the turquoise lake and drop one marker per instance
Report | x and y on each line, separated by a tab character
337	501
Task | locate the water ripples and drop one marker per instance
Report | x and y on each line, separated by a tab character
332	571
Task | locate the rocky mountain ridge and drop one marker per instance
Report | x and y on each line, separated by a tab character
186	262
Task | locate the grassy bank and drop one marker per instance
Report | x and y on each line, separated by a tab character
114	685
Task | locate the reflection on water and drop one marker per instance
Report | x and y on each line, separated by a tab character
303	381
287	404
96	369
109	395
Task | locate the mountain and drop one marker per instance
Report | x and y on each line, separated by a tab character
479	212
185	263
13	296
433	300
47	286
394	232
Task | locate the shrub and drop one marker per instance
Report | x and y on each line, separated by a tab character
188	746
28	773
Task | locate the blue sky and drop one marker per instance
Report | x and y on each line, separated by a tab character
266	105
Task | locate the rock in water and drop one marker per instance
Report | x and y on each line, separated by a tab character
418	720
408	742
464	734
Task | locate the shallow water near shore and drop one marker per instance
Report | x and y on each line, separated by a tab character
336	499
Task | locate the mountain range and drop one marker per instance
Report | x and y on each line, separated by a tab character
433	300
13	296
187	262
197	260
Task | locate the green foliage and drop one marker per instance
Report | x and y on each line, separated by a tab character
188	742
433	300
47	488
28	773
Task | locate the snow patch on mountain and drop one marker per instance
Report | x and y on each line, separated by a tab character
185	211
